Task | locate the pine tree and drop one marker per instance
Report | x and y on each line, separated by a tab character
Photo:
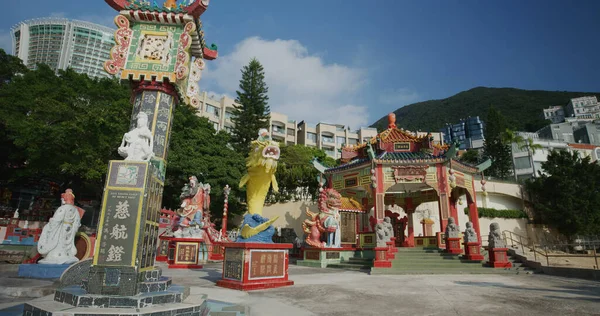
494	147
252	112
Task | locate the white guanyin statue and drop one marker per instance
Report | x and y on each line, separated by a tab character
57	242
138	143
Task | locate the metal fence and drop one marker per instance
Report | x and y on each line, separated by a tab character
583	254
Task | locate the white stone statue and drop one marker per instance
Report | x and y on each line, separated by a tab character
138	143
57	242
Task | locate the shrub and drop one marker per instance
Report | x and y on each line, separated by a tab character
494	213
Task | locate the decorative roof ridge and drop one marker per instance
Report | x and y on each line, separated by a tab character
351	164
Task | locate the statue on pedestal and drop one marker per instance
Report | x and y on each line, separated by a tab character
326	221
495	237
452	230
261	164
195	199
387	223
381	235
57	241
470	234
138	143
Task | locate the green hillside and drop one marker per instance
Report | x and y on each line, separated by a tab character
522	108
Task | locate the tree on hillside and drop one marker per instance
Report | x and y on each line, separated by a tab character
252	113
495	147
195	149
568	198
296	175
65	127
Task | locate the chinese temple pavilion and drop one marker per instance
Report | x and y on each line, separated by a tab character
401	168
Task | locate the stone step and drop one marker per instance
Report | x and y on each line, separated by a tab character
349	266
359	260
155	286
449	271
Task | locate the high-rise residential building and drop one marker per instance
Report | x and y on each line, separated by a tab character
331	137
468	133
63	43
219	111
584	108
556	114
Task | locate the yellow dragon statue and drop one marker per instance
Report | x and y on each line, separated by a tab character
261	165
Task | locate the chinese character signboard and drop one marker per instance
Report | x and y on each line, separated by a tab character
267	264
233	266
118	227
186	253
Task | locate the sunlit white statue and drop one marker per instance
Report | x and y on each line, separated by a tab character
57	242
137	144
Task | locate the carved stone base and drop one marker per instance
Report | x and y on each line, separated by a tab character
382	258
322	257
184	253
473	251
255	266
391	253
498	258
453	246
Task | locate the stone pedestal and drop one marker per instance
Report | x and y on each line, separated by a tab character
255	266
390	253
381	258
215	252
498	258
322	257
393	248
453	246
473	251
42	271
186	253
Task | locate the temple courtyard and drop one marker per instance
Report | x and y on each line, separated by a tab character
338	292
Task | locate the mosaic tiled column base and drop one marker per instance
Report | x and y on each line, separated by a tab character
498	258
453	246
473	251
255	266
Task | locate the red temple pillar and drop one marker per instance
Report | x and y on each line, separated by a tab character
379	194
453	209
474	215
443	202
410	210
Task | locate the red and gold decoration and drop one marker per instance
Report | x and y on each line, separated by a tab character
255	266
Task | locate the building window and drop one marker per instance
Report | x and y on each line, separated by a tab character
352	141
341	140
329	151
277	129
291	132
212	110
228	115
327	139
311	136
522	163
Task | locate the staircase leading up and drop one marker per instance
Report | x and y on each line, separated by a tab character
434	261
355	264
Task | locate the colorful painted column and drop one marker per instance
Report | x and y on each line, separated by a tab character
410	210
226	191
379	194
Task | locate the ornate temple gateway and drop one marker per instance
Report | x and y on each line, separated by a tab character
400	168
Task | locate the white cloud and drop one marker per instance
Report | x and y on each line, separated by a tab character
301	85
399	97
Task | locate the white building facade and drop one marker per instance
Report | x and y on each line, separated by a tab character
63	43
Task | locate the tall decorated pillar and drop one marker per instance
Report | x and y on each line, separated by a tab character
410	210
443	196
378	193
160	51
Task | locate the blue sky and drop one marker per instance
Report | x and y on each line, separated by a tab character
351	62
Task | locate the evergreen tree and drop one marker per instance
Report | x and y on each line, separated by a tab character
252	113
495	147
567	194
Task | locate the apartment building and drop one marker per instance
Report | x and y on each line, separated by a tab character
468	133
584	108
331	137
528	163
63	43
219	112
556	114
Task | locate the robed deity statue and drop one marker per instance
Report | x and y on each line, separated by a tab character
57	242
195	198
137	144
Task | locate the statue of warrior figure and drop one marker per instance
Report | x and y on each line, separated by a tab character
195	199
57	241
